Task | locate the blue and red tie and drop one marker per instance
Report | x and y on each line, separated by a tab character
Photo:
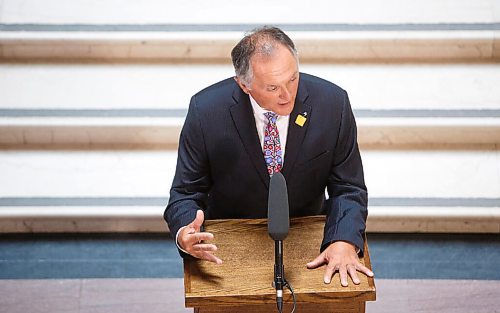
272	146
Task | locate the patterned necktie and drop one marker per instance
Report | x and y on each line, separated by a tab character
272	146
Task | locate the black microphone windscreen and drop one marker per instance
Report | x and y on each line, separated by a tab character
278	219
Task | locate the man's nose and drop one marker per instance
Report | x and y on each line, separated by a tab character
285	94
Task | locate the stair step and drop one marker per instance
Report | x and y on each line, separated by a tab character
86	173
170	86
164	132
126	191
433	173
86	132
458	173
339	45
150	219
219	12
132	104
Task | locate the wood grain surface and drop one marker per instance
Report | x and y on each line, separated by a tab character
246	275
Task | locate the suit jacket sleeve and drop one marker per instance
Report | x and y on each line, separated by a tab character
346	207
192	178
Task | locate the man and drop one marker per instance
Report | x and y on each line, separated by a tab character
271	118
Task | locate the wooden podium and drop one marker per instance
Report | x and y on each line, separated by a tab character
243	282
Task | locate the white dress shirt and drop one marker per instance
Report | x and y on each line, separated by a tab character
260	123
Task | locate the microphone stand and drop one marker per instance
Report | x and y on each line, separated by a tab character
278	225
279	273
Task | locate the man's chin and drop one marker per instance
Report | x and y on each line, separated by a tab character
284	110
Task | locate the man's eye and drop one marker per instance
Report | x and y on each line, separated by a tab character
293	79
272	88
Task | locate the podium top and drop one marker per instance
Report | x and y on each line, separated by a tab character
247	273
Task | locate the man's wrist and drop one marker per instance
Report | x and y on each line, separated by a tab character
355	247
177	240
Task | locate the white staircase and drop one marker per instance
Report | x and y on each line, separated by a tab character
93	96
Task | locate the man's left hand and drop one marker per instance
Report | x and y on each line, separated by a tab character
340	256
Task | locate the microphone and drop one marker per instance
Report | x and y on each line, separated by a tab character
278	224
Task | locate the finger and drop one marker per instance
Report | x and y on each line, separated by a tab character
205	247
360	267
320	260
208	256
329	271
198	221
195	238
343	276
354	275
187	240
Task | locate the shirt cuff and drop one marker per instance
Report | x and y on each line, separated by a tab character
177	241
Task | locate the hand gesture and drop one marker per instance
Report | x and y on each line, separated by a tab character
191	239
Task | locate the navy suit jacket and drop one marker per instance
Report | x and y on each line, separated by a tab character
221	168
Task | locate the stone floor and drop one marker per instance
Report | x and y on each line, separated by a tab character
143	273
166	295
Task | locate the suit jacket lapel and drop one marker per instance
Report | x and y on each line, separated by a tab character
244	122
296	133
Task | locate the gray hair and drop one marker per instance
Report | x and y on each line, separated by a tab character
263	41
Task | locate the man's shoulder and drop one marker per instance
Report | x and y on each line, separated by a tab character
215	98
222	88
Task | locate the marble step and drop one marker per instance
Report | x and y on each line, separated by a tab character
143	132
219	12
370	86
361	30
136	104
338	45
400	219
117	190
426	173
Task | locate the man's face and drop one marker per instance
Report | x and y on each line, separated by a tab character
275	81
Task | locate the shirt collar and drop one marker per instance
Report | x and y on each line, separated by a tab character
257	109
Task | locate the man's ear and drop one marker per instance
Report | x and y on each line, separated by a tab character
242	85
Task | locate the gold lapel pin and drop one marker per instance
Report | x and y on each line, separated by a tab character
301	119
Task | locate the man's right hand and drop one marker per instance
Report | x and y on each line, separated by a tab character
192	240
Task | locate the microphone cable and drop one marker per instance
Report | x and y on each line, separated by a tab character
286	284
293	295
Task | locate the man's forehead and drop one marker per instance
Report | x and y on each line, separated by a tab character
277	77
